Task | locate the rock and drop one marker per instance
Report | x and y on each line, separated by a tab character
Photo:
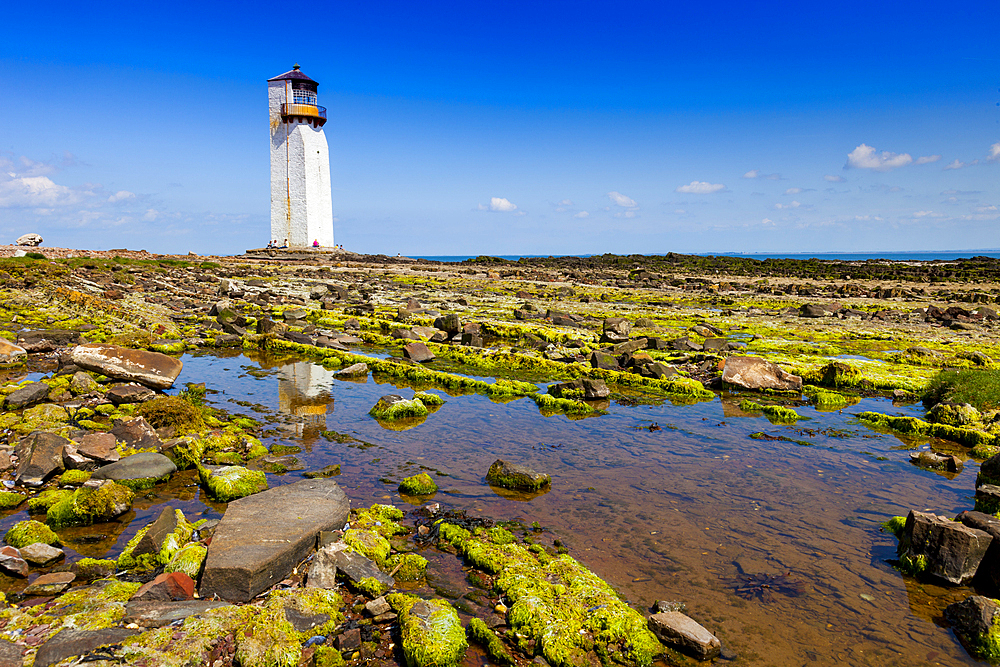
188	560
755	373
616	330
268	326
974	620
136	433
225	483
10	654
935	461
685	634
323	569
158	613
29	394
354	370
814	310
96	501
988	523
46	340
603	361
41	554
715	345
300	338
152	369
294	315
11	353
99	446
629	346
167	586
403	333
417	351
70	642
942	548
472	340
152	540
418	485
29	240
685	344
124	394
377	607
954	415
263	536
348	640
40	455
12	563
144	465
82	384
513	476
431	632
28	532
450	324
52	583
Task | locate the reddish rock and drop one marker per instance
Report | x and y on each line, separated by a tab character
152	369
99	446
172	586
417	351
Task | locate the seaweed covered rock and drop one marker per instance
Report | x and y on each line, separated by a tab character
393	407
226	483
189	560
975	620
431	632
97	501
514	476
28	532
954	415
482	635
156	543
935	546
418	485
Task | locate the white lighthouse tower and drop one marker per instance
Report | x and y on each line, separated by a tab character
301	206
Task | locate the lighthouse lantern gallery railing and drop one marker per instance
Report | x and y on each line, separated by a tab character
308	110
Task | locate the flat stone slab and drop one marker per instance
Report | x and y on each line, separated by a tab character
157	613
152	369
262	537
685	634
137	466
756	373
68	643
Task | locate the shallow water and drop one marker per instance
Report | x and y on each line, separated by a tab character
677	513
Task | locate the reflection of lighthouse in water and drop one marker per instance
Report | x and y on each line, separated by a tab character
303	391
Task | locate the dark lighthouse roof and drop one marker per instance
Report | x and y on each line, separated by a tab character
295	75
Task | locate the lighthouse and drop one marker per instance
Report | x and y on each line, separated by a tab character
301	205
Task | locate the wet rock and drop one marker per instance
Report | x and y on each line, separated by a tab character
417	351
935	461
432	634
225	483
615	330
685	634
348	640
268	326
123	394
755	373
603	361
40	554
159	613
144	465
595	389
152	540
11	353
135	433
152	369
46	340
40	455
945	549
70	642
354	370
263	536
974	620
630	346
988	523
403	333
52	583
338	558
513	476
167	586
715	345
29	394
98	446
12	563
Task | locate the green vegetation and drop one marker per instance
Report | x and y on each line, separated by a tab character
418	485
28	532
978	388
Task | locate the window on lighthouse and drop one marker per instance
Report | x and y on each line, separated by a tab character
304	97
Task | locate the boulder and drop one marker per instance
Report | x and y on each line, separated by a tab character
225	483
52	583
167	586
417	351
82	384
10	353
988	523
338	558
159	613
124	394
513	476
136	433
70	642
354	370
450	324
29	394
685	344
595	389
684	634
99	447
29	240
431	632
262	537
12	563
945	549
41	554
755	373
152	369
144	465
46	340
974	620
603	361
40	455
616	330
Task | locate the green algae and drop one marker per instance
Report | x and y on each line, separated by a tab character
979	388
369	543
432	634
88	569
175	412
189	560
387	410
28	532
41	503
371	587
778	414
895	525
825	400
913	427
270	640
87	505
231	482
10	500
407	567
430	400
482	635
550	405
176	539
128	561
418	485
74	477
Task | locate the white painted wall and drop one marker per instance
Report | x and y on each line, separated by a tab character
301	203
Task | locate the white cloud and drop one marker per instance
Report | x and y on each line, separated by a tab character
793	204
581	214
121	195
37	192
927	214
927	159
756	173
994	153
700	188
766	221
793	191
625	214
834	179
866	157
621	200
565	202
502	204
958	164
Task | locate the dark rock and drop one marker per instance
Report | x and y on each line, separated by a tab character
303	622
348	640
630	346
152	541
658	370
300	338
472	340
513	476
40	455
152	369
952	551
755	373
268	326
595	389
130	393
135	432
263	536
69	642
603	361
399	334
715	344
46	340
450	324
616	330
29	394
685	344
158	613
935	461
684	634
143	465
988	523
417	351
564	389
973	618
814	310
294	314
657	344
12	563
354	370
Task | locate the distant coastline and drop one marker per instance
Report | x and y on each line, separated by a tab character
923	256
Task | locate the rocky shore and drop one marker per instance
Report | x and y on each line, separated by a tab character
293	575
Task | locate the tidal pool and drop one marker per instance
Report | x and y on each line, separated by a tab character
665	502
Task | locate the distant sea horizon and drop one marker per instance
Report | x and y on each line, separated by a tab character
898	256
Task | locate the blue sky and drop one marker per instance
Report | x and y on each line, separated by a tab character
511	128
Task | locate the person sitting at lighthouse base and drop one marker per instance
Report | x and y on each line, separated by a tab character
316	243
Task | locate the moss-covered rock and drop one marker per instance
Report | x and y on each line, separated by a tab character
482	635
418	485
129	560
88	569
10	500
407	567
28	532
74	477
392	408
432	635
428	399
231	482
173	411
954	415
270	640
90	504
41	503
778	414
189	560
